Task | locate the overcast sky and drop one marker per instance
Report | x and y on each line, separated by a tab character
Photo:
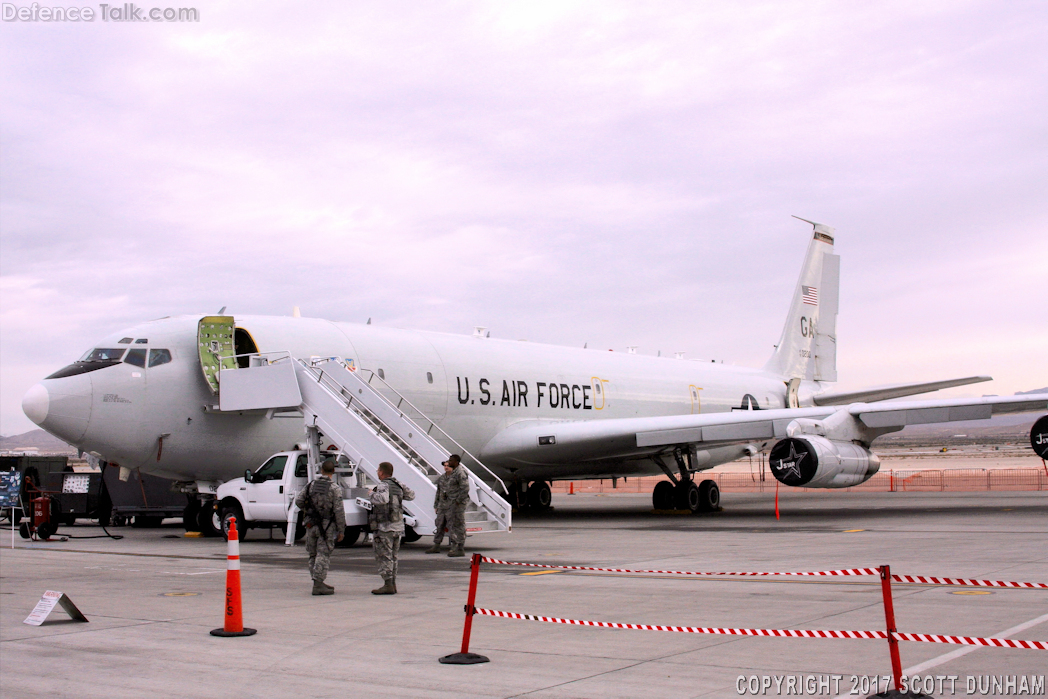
611	173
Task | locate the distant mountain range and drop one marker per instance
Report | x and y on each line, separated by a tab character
36	439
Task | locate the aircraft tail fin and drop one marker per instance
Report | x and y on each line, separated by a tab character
807	349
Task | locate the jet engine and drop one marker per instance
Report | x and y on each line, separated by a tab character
813	461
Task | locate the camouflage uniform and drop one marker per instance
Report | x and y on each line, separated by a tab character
450	504
387	524
326	499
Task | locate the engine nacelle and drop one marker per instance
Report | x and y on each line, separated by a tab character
812	461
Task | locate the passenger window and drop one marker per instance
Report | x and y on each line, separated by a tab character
429	376
158	357
272	470
300	466
136	357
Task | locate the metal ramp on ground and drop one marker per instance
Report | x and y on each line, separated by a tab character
370	422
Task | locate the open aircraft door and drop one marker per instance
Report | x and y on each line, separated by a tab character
216	346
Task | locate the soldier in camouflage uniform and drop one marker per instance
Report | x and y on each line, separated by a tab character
321	501
387	525
450	504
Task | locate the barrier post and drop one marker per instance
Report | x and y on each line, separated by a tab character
234	617
889	619
464	657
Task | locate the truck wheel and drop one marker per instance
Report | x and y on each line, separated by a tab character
228	511
352	534
410	535
206	520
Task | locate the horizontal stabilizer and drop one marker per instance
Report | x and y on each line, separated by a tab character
872	395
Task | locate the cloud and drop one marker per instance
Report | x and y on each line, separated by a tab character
618	174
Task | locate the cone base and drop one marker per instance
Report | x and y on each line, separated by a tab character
226	634
464	659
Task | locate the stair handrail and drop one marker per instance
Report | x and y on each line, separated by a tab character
430	420
397	407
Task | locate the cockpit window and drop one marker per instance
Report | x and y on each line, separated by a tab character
142	341
137	357
104	355
125	341
158	357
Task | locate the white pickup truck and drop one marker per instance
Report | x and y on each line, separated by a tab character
263	497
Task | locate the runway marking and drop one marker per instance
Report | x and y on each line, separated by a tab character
961	652
971	592
543	572
852	531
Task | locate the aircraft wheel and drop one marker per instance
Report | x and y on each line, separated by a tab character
207	520
23	531
351	535
410	535
709	496
686	496
227	513
191	516
540	497
119	520
662	496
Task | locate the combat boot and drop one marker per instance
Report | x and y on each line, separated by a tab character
322	588
389	587
435	548
456	552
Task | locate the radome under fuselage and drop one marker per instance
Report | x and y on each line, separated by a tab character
473	387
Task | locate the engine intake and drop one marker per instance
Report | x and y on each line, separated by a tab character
816	462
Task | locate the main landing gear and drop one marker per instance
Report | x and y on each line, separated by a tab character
536	497
683	493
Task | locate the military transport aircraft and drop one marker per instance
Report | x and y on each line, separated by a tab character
145	398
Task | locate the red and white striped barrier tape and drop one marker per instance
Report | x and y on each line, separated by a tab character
794	633
847	571
789	633
922	579
969	641
927	580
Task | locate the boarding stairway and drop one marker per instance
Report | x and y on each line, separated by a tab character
370	422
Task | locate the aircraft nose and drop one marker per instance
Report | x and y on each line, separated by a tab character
35	403
60	406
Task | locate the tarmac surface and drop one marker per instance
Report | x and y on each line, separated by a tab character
153	596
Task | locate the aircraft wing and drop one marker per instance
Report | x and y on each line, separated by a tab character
549	442
895	391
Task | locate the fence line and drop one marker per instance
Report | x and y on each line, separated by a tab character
901	481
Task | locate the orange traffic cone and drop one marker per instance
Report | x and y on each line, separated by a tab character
234	623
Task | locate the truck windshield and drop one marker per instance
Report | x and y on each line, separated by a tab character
272	470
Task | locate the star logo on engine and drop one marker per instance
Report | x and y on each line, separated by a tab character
790	465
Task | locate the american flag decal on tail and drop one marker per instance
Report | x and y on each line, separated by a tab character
810	295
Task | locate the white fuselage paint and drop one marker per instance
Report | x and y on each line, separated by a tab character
120	412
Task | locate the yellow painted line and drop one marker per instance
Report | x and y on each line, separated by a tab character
193	535
852	531
543	572
971	592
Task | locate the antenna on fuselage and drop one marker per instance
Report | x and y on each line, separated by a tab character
221	311
369	322
295	313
